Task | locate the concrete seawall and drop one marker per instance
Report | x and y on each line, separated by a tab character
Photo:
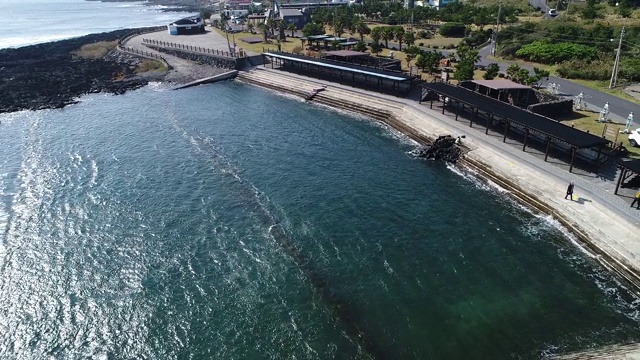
610	237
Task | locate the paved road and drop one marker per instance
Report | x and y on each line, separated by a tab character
619	108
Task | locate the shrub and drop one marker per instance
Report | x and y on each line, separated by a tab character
96	50
550	53
435	46
453	29
297	49
421	44
580	69
509	51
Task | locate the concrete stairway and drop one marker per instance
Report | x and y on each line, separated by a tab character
291	86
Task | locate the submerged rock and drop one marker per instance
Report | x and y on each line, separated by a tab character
444	148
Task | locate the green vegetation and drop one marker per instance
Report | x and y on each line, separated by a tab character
580	51
492	71
96	50
546	52
151	65
453	29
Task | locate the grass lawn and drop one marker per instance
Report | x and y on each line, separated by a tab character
588	121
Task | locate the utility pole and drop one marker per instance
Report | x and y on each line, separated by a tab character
494	36
616	64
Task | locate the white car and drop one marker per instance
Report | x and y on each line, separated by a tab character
634	138
553	12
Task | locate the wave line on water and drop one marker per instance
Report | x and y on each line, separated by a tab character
338	306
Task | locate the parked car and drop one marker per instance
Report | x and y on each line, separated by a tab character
553	12
634	138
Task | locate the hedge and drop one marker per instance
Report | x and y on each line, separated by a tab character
545	52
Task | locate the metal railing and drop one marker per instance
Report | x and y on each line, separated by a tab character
197	49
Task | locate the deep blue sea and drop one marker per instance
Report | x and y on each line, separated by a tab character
27	22
226	222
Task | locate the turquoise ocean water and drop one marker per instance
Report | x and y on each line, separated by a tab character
225	222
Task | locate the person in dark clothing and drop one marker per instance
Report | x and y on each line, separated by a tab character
569	191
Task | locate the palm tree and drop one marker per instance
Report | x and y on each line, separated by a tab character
376	34
376	48
250	27
398	33
264	29
361	28
387	34
292	27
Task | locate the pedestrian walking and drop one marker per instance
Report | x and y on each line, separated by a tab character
636	200
569	191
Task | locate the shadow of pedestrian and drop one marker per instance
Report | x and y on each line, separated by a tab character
582	200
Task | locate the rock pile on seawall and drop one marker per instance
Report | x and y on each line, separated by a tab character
48	76
444	148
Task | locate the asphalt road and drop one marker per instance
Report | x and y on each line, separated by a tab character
619	108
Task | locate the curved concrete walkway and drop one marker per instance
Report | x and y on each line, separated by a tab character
183	71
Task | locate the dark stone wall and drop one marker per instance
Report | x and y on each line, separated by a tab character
553	109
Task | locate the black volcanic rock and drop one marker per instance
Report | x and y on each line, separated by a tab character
444	148
48	76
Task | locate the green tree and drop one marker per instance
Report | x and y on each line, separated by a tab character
428	61
264	29
411	53
360	46
376	48
513	70
388	33
361	28
312	29
452	30
250	27
539	75
409	38
398	33
292	27
205	14
492	71
464	71
625	9
590	11
376	34
466	64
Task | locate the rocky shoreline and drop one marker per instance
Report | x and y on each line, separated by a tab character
46	76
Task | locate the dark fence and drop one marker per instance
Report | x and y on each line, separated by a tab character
198	49
203	58
146	54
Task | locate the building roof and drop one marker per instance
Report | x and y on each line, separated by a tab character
334	38
500	84
521	117
374	72
290	12
317	37
345	53
633	165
